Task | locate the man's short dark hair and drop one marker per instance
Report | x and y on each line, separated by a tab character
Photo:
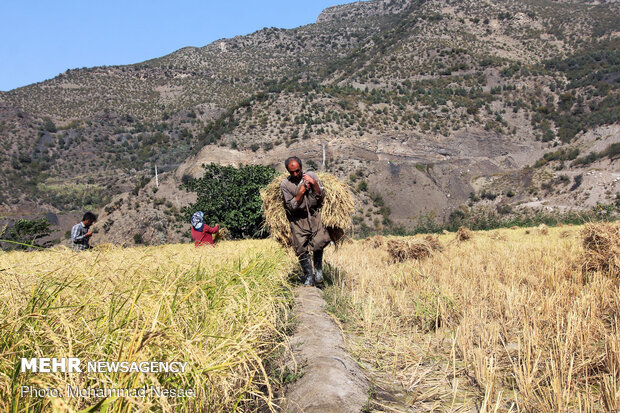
291	159
89	216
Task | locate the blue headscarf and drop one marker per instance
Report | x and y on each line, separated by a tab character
197	221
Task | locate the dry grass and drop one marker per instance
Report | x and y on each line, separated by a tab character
486	325
221	310
601	244
336	213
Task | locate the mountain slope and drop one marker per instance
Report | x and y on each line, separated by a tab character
424	102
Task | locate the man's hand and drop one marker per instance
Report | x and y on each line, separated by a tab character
300	194
302	190
312	182
309	179
88	234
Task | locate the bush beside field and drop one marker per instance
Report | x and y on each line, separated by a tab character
222	310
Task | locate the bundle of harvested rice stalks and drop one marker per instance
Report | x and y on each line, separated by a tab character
496	235
409	249
220	235
463	234
275	215
374	242
433	241
601	244
336	212
543	229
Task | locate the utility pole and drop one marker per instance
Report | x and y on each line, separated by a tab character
323	145
156	178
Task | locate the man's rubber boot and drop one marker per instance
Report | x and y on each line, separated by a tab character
317	257
306	266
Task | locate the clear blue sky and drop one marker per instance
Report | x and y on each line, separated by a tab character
43	38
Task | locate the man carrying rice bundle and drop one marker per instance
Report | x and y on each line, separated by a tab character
303	198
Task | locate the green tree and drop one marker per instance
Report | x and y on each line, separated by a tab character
231	197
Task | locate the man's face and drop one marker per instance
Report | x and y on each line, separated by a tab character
295	170
89	222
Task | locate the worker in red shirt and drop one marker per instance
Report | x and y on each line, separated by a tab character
201	232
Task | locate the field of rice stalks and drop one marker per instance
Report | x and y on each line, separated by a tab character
223	311
505	320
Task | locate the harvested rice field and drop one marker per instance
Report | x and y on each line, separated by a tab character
505	320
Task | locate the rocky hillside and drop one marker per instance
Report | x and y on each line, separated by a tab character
425	107
104	128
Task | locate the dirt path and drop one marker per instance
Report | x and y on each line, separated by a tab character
331	381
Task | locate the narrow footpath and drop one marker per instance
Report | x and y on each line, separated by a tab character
331	381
